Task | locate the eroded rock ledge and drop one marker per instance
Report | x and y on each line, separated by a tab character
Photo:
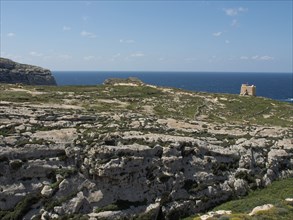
128	173
13	72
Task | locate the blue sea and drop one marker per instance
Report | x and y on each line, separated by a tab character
277	86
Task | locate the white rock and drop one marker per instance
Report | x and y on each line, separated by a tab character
289	201
215	214
66	135
59	177
135	124
95	196
45	215
205	217
11	140
54	216
276	154
47	191
36	186
261	208
20	127
224	212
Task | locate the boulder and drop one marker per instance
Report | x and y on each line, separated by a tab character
78	204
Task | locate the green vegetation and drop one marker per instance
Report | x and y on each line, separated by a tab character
20	209
7	130
120	205
275	194
66	173
146	216
50	203
257	110
16	164
132	80
164	102
15	96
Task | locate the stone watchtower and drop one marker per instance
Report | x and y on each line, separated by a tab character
248	90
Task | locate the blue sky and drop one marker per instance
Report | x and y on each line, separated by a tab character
245	36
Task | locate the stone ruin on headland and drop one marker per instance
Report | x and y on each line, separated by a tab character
248	90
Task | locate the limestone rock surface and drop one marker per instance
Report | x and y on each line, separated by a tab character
89	159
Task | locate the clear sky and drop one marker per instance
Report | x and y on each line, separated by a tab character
253	36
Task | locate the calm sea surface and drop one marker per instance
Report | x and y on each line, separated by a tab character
271	85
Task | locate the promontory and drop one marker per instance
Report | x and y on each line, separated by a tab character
13	72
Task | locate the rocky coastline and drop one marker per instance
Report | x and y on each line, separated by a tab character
13	72
135	151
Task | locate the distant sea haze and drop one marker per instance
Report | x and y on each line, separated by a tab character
277	86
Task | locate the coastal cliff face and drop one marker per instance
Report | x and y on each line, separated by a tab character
135	151
13	72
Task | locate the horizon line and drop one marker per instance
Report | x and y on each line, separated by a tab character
168	71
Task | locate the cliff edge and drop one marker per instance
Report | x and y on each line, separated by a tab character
13	72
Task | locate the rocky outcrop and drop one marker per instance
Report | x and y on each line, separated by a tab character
13	72
77	169
127	81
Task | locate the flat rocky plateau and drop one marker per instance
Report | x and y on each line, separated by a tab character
127	150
